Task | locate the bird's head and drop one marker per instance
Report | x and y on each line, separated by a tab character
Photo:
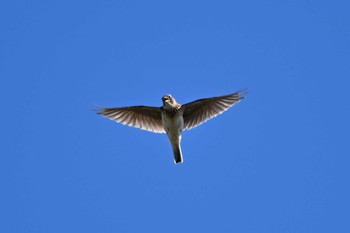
168	101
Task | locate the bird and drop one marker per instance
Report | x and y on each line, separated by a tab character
172	118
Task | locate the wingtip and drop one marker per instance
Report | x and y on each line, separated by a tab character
98	109
242	93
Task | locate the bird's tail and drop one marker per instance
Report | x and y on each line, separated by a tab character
177	153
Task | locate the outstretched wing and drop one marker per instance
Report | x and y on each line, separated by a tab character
199	111
143	117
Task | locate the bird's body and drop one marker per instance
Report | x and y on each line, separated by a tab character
172	118
173	123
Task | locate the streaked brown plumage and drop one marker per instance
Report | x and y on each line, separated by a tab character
172	118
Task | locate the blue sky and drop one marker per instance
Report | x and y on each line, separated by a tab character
276	162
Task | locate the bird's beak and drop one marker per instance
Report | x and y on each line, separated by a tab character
165	99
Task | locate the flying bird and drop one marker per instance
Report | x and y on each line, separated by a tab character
172	118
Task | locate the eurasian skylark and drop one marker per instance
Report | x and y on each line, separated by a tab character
172	118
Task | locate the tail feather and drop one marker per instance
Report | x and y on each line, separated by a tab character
177	153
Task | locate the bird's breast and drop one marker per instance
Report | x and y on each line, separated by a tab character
172	123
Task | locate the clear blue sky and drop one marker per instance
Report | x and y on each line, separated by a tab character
276	162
